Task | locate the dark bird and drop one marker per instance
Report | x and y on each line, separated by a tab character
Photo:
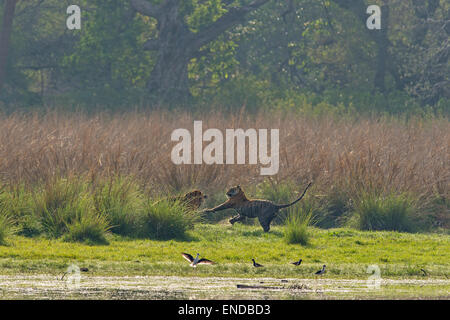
322	271
196	261
297	263
256	265
84	269
424	272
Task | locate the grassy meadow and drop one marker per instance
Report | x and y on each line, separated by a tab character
346	252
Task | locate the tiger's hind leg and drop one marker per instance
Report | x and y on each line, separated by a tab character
265	220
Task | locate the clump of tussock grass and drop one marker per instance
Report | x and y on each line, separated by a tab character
89	227
391	212
19	201
8	226
296	227
120	200
334	209
165	219
66	208
58	204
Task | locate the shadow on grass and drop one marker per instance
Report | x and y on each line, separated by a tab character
260	233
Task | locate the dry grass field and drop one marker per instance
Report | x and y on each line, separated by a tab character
380	153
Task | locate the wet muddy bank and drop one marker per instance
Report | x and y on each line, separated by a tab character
173	287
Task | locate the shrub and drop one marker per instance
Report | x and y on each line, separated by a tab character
167	220
19	201
8	226
334	209
120	200
89	227
296	226
59	203
392	212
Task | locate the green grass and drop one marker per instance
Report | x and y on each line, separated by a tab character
120	200
166	220
7	228
392	212
91	228
296	229
346	252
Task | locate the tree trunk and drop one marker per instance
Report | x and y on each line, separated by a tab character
358	8
169	77
5	35
382	40
176	45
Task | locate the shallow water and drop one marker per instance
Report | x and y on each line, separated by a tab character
172	287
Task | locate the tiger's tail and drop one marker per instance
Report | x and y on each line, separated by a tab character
281	206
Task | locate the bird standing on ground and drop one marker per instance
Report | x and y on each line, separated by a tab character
321	271
256	265
196	261
297	263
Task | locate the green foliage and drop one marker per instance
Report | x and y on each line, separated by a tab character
89	227
296	227
60	203
392	212
8	223
108	60
18	202
166	220
201	13
334	209
312	56
120	200
8	226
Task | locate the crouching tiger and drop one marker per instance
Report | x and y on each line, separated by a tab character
264	210
192	200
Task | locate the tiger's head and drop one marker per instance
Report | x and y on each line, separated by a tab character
235	192
194	198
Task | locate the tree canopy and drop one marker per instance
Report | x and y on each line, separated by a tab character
231	53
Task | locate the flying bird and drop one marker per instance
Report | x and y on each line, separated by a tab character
297	263
256	265
321	271
196	261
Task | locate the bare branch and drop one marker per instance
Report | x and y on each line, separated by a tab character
146	8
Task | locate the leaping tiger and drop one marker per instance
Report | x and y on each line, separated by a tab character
264	210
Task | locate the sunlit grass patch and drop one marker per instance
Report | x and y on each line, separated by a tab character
89	227
120	200
232	248
296	227
167	219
